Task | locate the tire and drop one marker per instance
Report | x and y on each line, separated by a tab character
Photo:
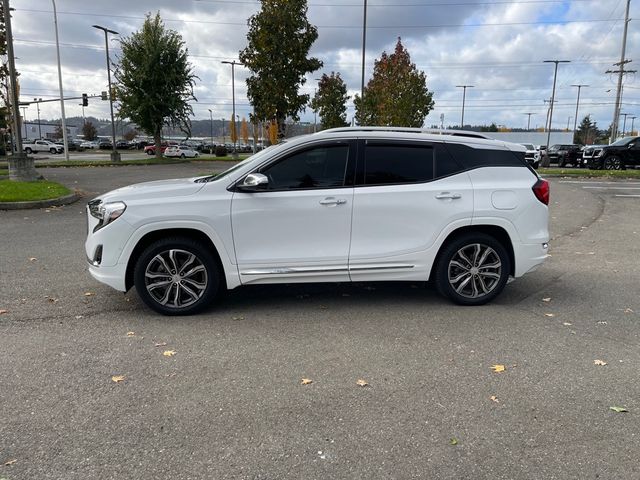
52	150
613	162
195	291
28	151
458	277
182	156
150	152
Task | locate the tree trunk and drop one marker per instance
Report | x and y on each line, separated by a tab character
158	139
22	169
282	127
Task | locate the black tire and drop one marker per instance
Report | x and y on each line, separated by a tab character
28	151
52	150
613	162
182	156
150	152
495	276
199	289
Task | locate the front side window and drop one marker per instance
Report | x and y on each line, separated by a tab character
392	164
319	167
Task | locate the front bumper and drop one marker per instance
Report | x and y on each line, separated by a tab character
112	276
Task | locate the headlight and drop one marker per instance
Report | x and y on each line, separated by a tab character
106	212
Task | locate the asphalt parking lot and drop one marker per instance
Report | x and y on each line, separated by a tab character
230	404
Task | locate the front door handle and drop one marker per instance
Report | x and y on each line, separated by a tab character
448	196
332	202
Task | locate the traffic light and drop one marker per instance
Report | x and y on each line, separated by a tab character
85	100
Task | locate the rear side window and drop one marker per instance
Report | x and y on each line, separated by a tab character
476	157
387	164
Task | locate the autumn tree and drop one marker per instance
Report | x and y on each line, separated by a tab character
89	131
244	131
279	40
397	94
130	134
330	101
155	80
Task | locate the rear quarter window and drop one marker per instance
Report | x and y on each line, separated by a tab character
471	158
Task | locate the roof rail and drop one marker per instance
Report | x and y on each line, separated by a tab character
432	131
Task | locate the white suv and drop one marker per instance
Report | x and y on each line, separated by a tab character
350	204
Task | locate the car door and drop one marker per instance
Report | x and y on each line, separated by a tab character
634	152
298	228
406	195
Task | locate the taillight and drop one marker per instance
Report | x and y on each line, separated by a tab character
541	191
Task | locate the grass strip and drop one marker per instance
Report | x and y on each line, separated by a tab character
12	191
584	172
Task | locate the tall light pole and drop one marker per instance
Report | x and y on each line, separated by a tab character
233	64
529	119
37	102
464	96
64	119
568	122
624	124
211	115
115	155
24	122
633	119
223	138
575	121
553	96
364	47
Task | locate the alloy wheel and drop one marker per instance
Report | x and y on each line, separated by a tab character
474	270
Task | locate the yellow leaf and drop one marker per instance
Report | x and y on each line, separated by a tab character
493	398
599	362
306	381
362	383
549	314
498	368
169	353
89	294
10	462
3	311
117	378
628	310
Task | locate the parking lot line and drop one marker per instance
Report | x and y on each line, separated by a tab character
634	196
598	183
613	188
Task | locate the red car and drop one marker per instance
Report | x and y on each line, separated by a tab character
151	149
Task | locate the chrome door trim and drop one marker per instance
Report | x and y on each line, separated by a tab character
294	270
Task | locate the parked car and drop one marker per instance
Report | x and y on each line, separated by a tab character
151	149
565	155
588	154
89	144
123	145
617	156
105	145
182	151
347	204
39	146
532	156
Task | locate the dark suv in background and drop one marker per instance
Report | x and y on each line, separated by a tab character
617	156
565	155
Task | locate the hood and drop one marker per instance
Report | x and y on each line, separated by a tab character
178	187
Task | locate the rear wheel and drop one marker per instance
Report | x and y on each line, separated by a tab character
177	276
52	150
182	155
472	269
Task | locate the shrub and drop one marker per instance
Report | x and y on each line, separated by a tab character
221	151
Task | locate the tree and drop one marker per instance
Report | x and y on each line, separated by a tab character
232	131
396	95
279	40
587	131
244	131
330	101
130	134
155	80
57	133
89	131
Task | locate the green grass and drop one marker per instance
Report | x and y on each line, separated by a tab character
584	172
11	191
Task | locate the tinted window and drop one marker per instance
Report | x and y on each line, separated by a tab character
476	157
389	164
321	167
445	163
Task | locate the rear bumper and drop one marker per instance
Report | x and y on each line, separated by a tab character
529	256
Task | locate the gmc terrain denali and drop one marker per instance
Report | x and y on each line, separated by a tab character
350	204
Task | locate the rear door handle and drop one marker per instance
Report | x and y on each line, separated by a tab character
448	196
332	202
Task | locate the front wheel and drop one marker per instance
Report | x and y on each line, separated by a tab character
177	276
472	269
613	162
150	152
28	151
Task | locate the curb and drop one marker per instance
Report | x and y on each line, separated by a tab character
52	202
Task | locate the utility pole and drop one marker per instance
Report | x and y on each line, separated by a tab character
568	122
620	72
233	64
464	95
546	121
553	96
624	124
115	155
21	167
364	48
633	119
575	121
211	116
529	120
64	119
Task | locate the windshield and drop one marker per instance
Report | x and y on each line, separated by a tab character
528	146
623	141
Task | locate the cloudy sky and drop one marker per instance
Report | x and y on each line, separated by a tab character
496	45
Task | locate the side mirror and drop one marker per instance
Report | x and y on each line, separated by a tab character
254	182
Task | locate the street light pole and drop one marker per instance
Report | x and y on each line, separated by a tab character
618	106
633	119
364	48
624	124
464	95
223	137
529	120
553	96
64	120
115	155
233	64
38	100
575	121
211	115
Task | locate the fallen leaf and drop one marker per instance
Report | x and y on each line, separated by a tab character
33	259
78	317
89	294
628	310
237	318
498	368
453	441
549	314
10	462
362	383
306	381
169	353
161	344
618	409
493	398
52	300
3	311
548	299
602	323
599	362
131	334
117	378
567	324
